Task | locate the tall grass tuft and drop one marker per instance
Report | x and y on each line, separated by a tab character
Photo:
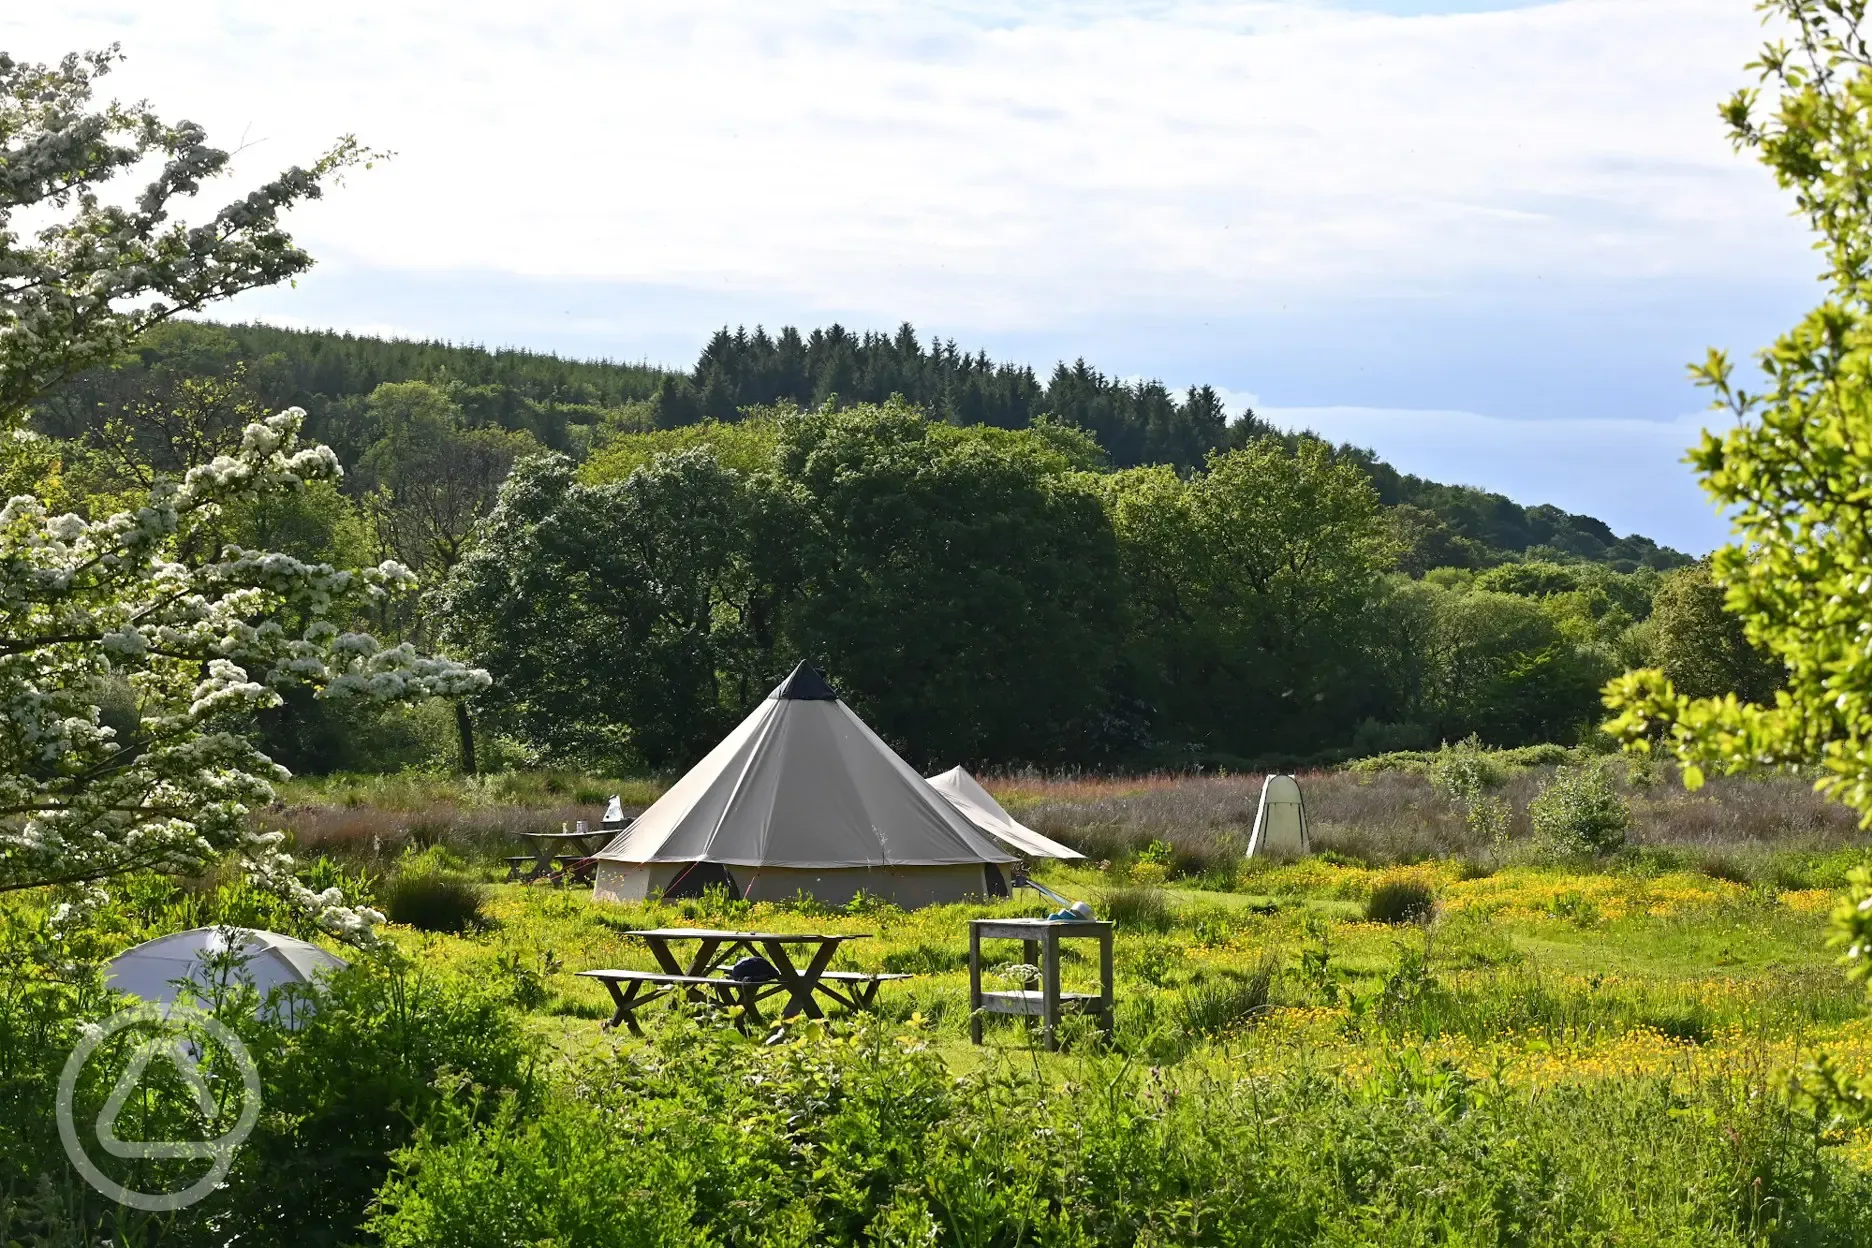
1137	908
1401	899
428	895
1221	1004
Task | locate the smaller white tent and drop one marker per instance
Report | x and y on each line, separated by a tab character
979	807
268	960
1280	826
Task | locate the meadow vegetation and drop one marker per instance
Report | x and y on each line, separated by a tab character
1557	1047
1537	995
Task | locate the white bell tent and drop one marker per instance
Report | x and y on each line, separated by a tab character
802	797
1280	826
979	807
264	960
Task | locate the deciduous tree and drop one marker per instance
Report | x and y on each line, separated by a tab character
1250	583
94	608
1796	470
630	617
961	584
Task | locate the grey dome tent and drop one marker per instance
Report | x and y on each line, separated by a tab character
979	807
266	960
1280	826
802	797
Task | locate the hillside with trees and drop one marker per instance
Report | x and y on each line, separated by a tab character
575	406
1082	572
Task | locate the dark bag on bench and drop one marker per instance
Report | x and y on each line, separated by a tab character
753	970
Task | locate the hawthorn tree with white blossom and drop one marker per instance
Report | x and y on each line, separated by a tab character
199	635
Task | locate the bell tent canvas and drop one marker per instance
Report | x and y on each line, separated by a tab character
1280	826
979	807
802	797
265	960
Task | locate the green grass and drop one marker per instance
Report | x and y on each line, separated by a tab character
1287	1074
1743	976
1593	1051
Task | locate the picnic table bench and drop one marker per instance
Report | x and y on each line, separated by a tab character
703	977
548	862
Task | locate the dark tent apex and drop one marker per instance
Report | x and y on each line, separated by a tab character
805	685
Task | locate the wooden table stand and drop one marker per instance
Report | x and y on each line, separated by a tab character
1040	946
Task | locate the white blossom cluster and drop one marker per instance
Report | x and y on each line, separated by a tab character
81	288
90	605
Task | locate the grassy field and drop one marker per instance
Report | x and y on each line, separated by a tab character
1533	975
1420	1034
1556	1055
1701	944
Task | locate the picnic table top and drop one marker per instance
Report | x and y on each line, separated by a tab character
569	836
783	938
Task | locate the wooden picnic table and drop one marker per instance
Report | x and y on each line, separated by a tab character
549	847
700	976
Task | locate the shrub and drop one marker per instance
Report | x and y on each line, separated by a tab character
1148	873
430	897
1401	899
692	1142
1462	772
1579	811
365	1074
1219	1004
358	1079
1137	907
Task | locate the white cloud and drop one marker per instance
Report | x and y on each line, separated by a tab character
1629	473
981	164
1203	192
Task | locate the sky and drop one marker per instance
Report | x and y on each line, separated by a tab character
1483	238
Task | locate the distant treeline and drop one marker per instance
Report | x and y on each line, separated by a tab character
574	406
1002	597
990	593
1136	424
332	375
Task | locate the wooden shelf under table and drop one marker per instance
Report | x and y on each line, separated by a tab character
1033	1002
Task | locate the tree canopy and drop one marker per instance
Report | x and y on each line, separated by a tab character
587	407
136	644
1795	468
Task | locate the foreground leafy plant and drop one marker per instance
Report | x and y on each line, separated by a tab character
867	1138
142	611
1794	469
374	1055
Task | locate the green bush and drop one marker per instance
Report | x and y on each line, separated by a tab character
362	1076
709	1139
1401	899
1501	762
429	895
1136	907
1462	772
1580	811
